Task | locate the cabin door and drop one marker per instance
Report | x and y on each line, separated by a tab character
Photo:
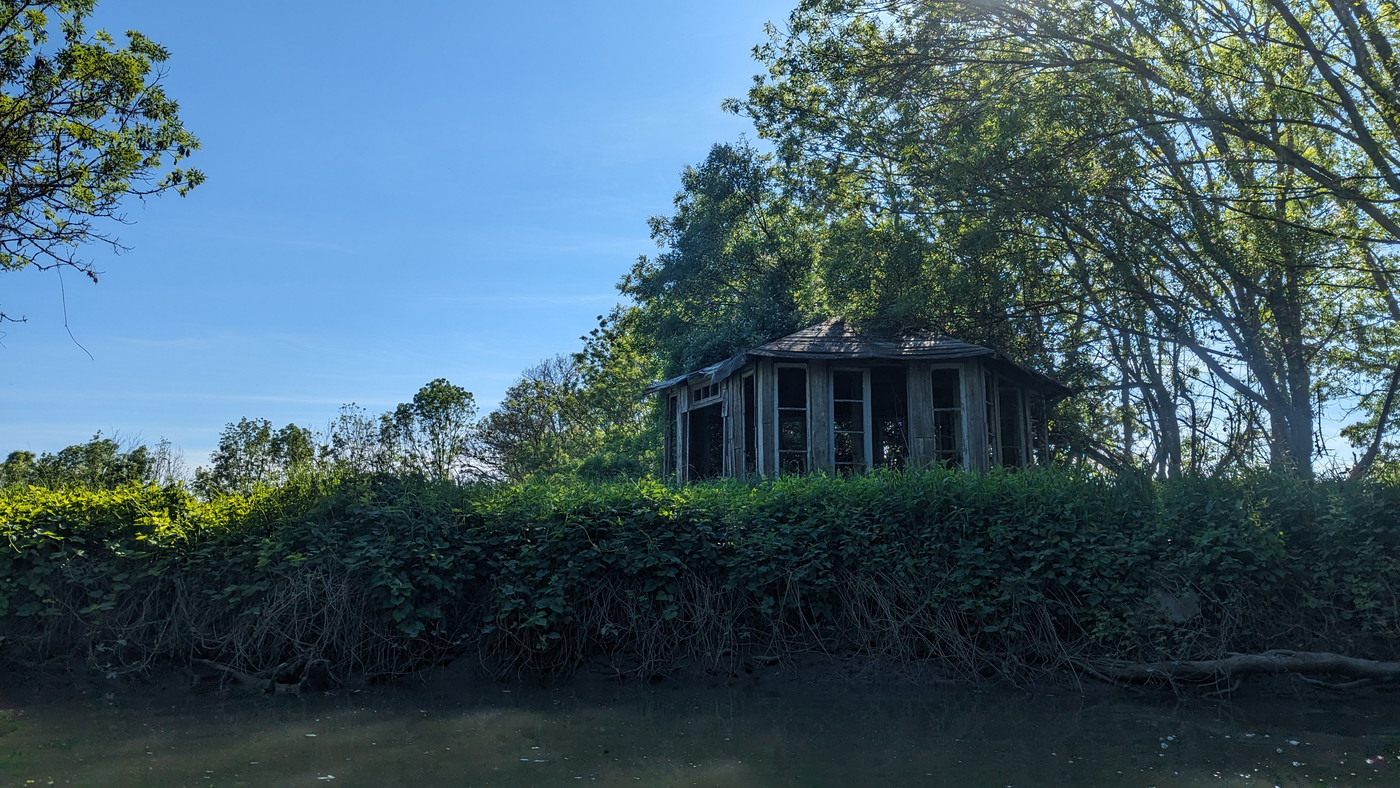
706	452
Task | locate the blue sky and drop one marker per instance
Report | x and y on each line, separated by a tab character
391	198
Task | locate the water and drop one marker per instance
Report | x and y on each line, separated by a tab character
473	733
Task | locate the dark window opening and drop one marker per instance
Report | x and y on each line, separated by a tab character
1011	428
990	395
889	416
1039	452
706	458
792	420
848	420
947	418
750	426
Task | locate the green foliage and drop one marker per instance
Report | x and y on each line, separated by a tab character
1184	208
98	464
436	433
355	441
361	570
251	453
993	574
617	363
541	426
735	268
87	125
583	415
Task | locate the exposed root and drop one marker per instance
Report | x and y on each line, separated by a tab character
1343	686
1223	669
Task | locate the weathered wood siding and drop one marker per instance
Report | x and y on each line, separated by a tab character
733	399
819	450
975	415
920	398
766	388
683	433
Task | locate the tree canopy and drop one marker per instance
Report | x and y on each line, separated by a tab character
582	414
1186	208
101	463
84	126
435	434
735	265
250	453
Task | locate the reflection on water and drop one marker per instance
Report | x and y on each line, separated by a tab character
502	735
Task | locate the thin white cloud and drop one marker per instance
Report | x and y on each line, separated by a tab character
165	395
300	243
528	300
628	245
226	339
183	342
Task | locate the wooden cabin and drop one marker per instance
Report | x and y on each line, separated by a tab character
829	398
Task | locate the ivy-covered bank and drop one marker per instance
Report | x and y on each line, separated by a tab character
984	575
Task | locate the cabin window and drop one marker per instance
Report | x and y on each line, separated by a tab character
889	413
989	390
849	417
792	420
947	417
701	393
750	425
1011	427
1039	452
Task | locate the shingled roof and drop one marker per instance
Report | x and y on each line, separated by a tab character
834	340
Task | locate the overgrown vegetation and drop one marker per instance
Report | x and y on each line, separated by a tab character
1198	238
1003	575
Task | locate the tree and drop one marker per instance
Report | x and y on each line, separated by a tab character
617	363
168	463
251	453
19	468
101	464
84	125
356	440
436	433
583	414
735	265
539	427
1197	196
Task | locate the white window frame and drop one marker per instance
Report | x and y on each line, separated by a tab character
745	416
867	440
777	417
964	435
1021	421
711	399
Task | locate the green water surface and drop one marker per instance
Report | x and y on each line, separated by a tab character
488	734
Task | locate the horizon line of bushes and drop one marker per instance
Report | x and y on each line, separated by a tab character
998	574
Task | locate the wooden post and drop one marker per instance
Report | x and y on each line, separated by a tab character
975	415
733	406
683	435
920	398
819	450
766	393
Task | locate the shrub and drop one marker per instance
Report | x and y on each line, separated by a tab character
991	574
